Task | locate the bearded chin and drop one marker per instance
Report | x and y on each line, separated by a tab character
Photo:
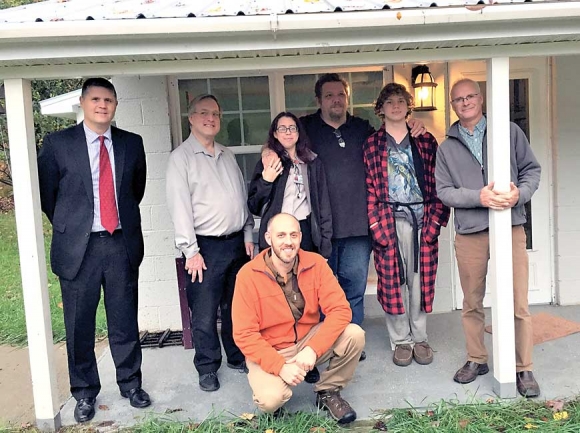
335	117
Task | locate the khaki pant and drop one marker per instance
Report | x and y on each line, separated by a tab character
472	252
270	392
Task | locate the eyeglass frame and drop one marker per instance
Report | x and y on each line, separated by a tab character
462	99
213	114
293	129
338	135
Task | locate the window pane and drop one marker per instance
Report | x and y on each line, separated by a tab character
189	89
256	126
226	90
184	128
247	163
368	113
299	92
255	93
230	134
365	86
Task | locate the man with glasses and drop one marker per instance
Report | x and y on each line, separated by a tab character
338	137
461	176
206	196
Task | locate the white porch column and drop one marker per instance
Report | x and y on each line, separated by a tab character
32	257
501	269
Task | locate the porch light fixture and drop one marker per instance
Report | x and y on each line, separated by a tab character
424	86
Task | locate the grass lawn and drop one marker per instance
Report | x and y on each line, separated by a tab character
12	320
480	417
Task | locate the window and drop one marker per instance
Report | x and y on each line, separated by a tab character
364	90
245	102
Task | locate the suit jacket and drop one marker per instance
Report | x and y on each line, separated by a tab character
66	194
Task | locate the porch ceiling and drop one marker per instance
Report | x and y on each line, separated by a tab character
180	45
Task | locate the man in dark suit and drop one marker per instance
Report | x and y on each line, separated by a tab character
92	179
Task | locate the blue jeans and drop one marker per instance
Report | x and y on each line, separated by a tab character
349	261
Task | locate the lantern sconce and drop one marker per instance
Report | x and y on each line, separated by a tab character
424	86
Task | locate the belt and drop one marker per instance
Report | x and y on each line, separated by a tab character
223	237
105	234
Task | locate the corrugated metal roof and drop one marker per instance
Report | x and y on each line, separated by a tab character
78	10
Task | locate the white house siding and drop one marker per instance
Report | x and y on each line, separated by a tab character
143	109
567	176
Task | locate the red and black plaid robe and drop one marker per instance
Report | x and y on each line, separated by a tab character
384	232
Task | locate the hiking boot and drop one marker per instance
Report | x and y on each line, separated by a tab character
527	385
337	407
422	353
403	355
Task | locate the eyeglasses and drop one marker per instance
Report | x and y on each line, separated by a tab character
338	135
461	99
284	129
212	114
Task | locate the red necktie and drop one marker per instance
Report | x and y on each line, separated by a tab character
109	215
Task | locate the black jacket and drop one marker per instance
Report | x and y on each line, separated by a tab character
66	194
271	195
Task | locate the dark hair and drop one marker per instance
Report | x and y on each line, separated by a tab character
329	78
200	98
390	90
97	82
302	145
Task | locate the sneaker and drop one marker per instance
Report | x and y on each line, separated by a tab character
312	376
337	407
403	355
241	367
209	381
422	353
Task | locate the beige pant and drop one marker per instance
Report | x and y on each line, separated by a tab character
472	252
270	392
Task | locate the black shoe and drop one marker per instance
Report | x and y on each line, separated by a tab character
363	356
527	385
85	409
241	367
469	372
209	382
137	397
312	376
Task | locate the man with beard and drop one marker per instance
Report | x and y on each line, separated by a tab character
276	319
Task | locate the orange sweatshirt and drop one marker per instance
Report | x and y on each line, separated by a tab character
262	319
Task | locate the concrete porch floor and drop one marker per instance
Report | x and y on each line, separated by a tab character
170	379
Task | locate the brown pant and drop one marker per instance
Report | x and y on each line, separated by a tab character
472	252
270	392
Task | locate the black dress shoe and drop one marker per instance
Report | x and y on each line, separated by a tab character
312	376
85	409
527	385
469	372
241	367
137	397
209	382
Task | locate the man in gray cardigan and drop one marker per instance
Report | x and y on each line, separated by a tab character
461	175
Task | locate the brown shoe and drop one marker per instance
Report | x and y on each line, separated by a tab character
403	355
337	407
469	372
422	353
527	385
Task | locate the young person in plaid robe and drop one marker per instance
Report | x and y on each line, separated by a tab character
405	219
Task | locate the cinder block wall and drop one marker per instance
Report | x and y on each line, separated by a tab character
567	176
143	109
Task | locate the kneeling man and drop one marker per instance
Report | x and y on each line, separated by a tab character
277	326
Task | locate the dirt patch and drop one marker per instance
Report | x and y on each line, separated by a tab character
16	401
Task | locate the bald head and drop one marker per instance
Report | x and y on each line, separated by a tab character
283	220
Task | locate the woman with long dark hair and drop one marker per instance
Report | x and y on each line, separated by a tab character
289	178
